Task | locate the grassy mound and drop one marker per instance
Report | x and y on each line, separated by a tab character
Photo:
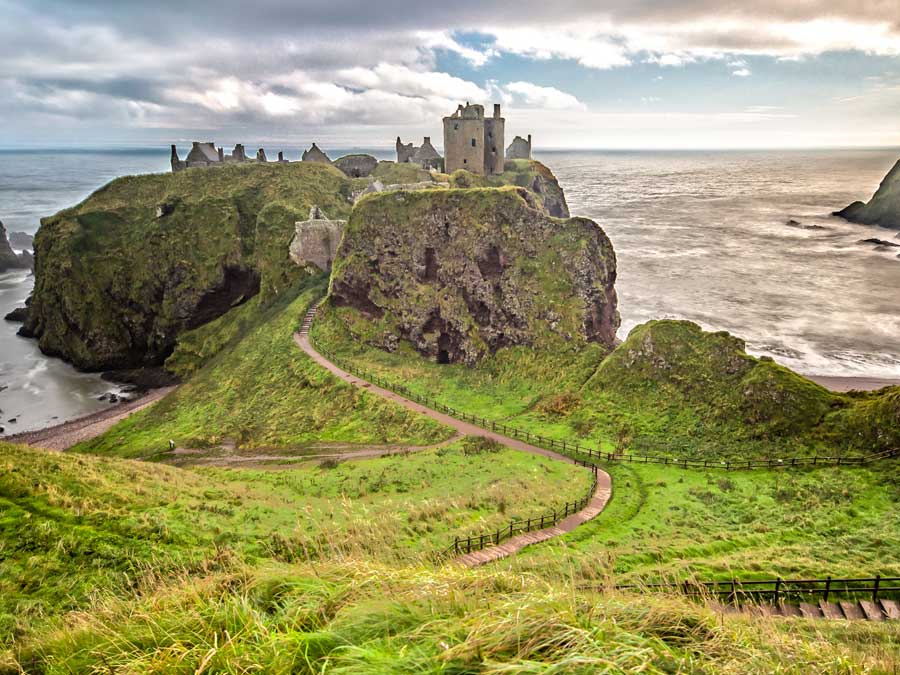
144	258
262	391
708	384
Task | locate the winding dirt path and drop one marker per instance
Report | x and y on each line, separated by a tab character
64	436
598	501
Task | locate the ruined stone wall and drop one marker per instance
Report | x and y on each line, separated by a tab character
519	148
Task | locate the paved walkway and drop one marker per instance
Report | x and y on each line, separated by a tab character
597	503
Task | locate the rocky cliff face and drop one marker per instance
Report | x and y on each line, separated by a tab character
144	258
462	273
884	207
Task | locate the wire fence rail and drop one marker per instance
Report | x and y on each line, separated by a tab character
778	589
576	448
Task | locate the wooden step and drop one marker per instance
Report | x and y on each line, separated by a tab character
851	610
830	610
891	609
790	610
871	610
810	611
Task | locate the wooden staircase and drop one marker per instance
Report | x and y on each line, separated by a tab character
862	610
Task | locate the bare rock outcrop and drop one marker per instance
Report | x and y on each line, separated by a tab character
462	273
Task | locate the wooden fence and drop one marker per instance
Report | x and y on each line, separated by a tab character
576	448
478	542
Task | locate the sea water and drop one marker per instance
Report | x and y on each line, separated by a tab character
703	236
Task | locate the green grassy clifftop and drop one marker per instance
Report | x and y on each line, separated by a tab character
144	258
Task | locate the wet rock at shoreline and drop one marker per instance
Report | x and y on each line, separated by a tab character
18	315
880	244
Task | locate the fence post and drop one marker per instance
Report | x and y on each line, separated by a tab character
875	589
777	588
827	588
510	529
456	545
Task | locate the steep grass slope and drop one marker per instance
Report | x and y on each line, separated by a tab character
262	391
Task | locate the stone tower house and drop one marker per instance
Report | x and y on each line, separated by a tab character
474	142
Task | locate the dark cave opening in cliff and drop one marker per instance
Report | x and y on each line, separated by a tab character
443	356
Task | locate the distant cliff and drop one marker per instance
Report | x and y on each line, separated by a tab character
883	209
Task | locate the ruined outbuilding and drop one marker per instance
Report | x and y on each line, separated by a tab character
474	142
316	240
520	148
206	154
425	155
315	155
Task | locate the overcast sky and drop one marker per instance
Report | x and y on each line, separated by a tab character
589	74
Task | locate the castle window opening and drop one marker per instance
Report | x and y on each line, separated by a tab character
456	126
473	142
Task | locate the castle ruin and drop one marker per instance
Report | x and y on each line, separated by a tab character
474	142
425	155
519	148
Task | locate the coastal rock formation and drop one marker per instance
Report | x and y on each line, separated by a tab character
460	274
115	283
316	240
356	166
883	209
8	258
21	241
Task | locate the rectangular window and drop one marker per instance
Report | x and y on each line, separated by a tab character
473	142
456	126
465	161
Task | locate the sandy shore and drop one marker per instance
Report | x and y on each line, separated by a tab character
853	383
67	434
